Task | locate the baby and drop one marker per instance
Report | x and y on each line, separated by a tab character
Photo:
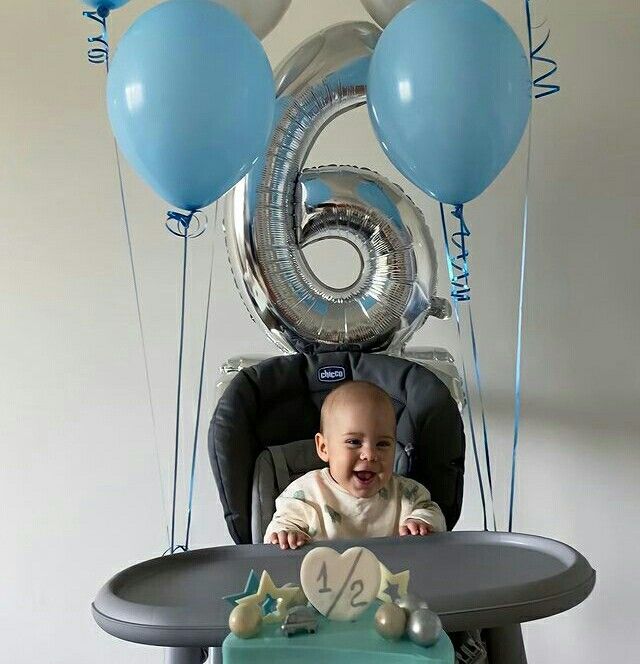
358	495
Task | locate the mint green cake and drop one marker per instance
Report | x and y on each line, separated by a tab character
334	643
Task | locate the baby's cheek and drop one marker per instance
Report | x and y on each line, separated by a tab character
387	470
341	468
384	480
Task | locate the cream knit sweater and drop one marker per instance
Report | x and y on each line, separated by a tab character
318	506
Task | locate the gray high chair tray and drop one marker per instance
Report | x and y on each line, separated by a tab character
471	579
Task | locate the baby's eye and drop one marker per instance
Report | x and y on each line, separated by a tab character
384	443
353	442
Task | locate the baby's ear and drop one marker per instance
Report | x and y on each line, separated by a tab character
321	447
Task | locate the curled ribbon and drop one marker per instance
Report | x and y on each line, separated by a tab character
99	54
540	87
458	268
190	224
461	292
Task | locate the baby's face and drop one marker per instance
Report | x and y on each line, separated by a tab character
358	442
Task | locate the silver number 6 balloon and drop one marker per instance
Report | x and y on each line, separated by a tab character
279	209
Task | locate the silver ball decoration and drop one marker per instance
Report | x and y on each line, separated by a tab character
390	621
424	627
411	603
245	620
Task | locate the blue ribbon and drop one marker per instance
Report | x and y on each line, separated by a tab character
546	89
517	402
99	54
145	355
190	223
184	220
485	435
461	292
541	89
200	390
183	226
459	272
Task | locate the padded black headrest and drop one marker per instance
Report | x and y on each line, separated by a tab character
279	400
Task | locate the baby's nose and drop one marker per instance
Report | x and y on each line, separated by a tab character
369	453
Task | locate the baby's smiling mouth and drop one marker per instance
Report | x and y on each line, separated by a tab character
365	477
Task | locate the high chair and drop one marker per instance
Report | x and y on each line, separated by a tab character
482	584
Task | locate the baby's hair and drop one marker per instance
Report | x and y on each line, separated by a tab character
349	388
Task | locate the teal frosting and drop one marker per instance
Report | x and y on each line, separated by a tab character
334	643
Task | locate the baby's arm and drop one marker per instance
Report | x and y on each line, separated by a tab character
293	520
425	516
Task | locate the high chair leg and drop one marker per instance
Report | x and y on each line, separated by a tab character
187	655
505	645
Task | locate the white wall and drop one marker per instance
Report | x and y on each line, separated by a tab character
79	488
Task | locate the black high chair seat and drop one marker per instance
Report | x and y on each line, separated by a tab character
278	402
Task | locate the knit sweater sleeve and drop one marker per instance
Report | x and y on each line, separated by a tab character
417	504
294	510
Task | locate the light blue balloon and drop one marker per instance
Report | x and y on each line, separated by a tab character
449	96
105	4
191	98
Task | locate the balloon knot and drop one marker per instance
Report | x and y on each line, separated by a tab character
183	219
186	224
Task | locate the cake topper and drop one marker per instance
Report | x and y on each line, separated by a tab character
340	586
272	600
424	627
245	620
390	621
250	588
392	586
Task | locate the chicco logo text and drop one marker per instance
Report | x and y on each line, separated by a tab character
331	374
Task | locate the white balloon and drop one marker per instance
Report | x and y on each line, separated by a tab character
382	11
261	16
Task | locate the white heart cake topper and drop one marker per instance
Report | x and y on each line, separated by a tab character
340	586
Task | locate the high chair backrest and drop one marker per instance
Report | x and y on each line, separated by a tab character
261	433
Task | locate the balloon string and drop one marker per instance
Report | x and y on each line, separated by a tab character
464	296
99	52
99	55
180	224
517	400
200	386
541	89
485	435
184	221
142	337
518	373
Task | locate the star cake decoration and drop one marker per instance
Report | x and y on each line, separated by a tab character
250	588
273	601
392	586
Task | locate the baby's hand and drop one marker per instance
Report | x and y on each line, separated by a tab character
414	527
290	539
